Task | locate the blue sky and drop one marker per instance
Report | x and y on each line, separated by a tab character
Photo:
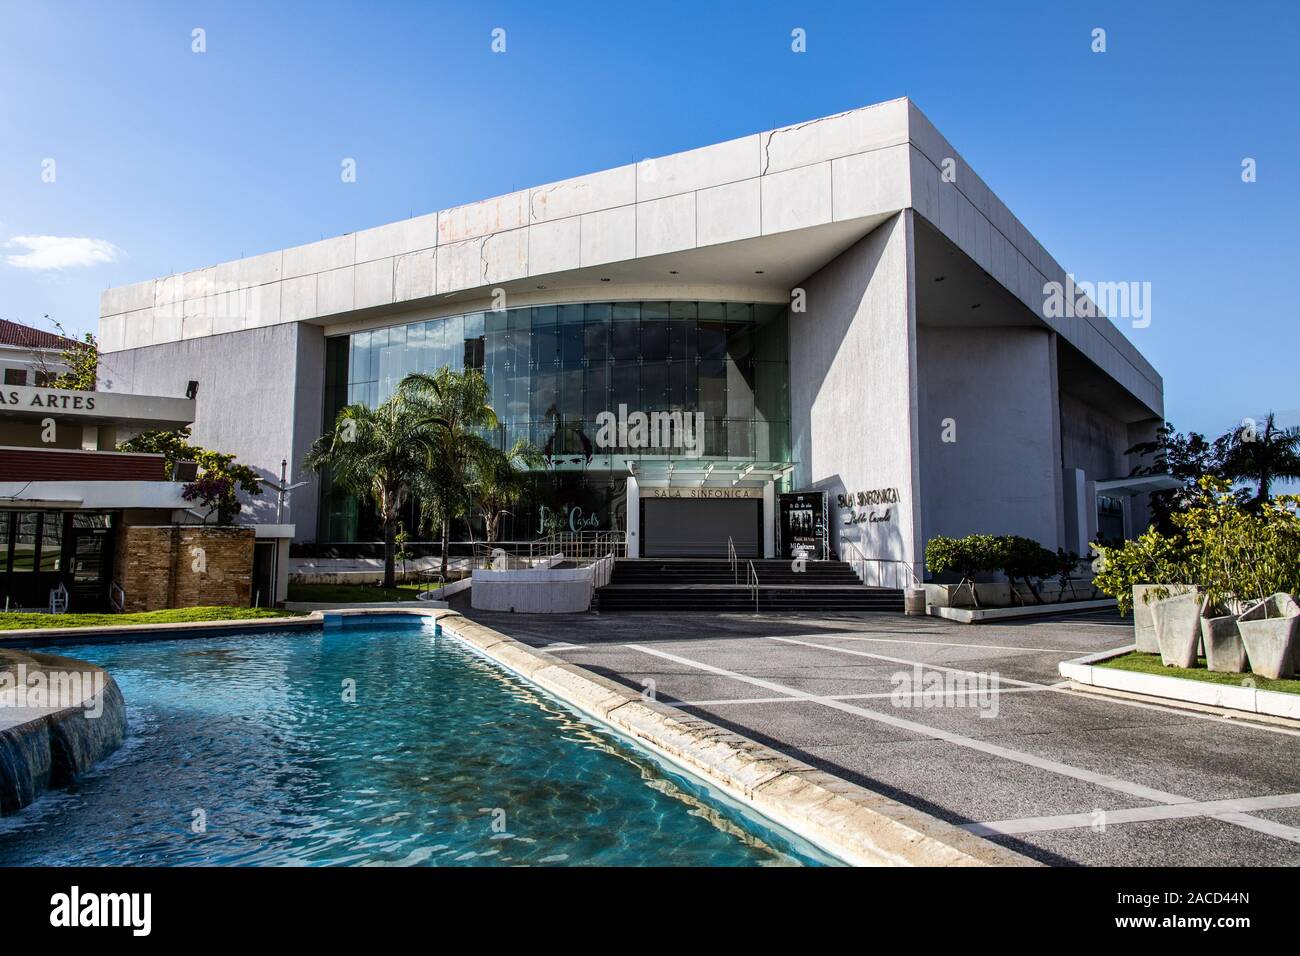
1125	164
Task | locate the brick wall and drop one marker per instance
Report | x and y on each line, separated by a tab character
158	566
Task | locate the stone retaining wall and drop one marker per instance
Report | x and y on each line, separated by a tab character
171	566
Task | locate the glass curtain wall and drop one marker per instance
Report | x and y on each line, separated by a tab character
554	369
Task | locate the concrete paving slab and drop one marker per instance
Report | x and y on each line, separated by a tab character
1193	843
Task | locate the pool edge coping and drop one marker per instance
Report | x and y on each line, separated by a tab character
848	821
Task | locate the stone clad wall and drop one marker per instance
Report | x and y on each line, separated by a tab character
158	568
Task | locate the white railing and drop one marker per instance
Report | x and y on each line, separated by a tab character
731	556
751	579
878	572
602	571
579	546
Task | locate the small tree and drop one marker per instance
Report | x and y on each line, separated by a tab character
1150	558
968	556
82	361
1027	560
454	414
220	477
78	362
1067	563
500	480
173	445
382	453
1261	456
1188	458
1239	556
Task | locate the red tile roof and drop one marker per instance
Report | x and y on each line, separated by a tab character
11	333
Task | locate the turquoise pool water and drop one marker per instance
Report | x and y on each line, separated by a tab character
251	750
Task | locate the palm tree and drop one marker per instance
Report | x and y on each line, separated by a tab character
455	411
499	481
381	453
1261	456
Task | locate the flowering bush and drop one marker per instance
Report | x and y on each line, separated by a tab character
215	492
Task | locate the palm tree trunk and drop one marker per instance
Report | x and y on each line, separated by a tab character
390	534
446	538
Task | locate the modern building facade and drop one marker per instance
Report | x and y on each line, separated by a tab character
840	307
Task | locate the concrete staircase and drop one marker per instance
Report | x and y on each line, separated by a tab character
675	585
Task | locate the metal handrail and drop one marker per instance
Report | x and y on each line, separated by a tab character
731	556
751	580
860	561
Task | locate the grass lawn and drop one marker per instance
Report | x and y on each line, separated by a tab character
1150	664
353	593
184	615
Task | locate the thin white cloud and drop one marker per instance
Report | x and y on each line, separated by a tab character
59	252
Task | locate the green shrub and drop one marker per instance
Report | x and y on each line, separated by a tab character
1025	559
1240	555
1236	555
1151	558
968	556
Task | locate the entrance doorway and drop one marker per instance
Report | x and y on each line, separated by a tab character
700	527
89	548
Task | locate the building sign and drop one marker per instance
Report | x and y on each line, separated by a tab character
868	507
702	493
803	524
48	398
27	400
550	520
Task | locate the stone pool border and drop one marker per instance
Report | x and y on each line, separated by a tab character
79	635
849	822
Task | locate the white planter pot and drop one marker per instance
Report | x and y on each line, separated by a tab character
1178	628
1269	631
1144	626
1224	651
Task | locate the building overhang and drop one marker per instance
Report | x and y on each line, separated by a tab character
764	211
1137	485
92	495
706	472
143	412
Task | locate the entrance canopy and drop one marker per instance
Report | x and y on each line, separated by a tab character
1137	485
705	472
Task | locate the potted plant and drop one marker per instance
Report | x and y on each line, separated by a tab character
1250	555
1224	650
1137	575
1217	547
1268	631
1177	620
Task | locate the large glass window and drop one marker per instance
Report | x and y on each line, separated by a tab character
552	370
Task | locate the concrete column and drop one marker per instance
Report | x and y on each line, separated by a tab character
769	520
1075	497
633	518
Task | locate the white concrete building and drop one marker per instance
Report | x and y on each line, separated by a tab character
844	303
